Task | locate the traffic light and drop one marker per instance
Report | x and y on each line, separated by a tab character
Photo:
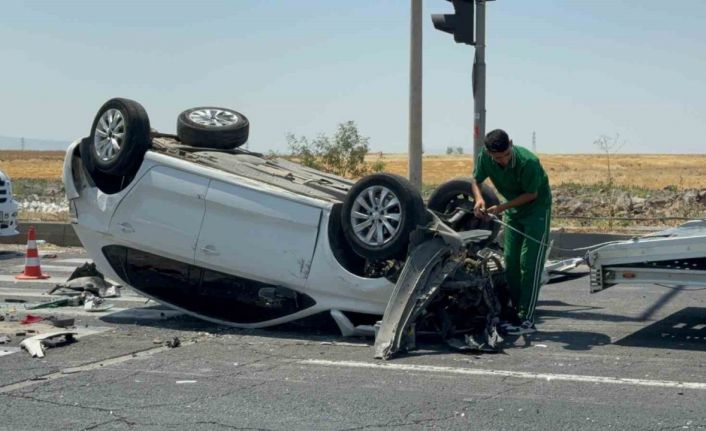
459	24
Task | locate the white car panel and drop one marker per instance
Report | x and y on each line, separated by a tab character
162	213
337	288
257	235
68	172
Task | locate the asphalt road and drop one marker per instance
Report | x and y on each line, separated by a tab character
626	358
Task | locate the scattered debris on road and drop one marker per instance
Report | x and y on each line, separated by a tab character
61	302
173	343
31	318
35	345
96	304
60	323
94	285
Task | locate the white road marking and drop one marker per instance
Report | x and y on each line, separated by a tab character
115	313
77	261
27	293
9	350
515	374
49	268
52	280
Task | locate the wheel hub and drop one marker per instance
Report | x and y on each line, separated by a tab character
213	117
376	216
109	135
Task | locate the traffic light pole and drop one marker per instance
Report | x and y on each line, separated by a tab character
479	81
415	95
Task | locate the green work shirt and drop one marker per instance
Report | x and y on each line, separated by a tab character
524	174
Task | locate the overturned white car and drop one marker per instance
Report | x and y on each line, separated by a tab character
222	233
8	207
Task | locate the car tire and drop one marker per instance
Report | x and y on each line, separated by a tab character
457	193
120	136
390	207
212	127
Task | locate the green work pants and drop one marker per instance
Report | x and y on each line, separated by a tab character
524	259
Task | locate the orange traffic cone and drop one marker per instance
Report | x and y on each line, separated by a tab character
32	269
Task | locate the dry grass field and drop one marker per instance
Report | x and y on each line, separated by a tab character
653	171
645	171
32	165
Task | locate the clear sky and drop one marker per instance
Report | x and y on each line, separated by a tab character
570	70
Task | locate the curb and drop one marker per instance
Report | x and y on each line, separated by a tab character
57	233
63	235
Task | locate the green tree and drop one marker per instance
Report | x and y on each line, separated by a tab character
343	155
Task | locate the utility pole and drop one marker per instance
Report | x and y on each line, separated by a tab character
479	81
415	95
22	143
534	142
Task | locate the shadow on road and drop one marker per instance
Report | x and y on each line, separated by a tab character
683	330
6	255
320	327
572	340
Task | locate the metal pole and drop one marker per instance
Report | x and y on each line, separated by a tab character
415	95
479	90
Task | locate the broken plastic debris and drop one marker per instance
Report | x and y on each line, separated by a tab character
30	318
96	304
35	345
181	382
85	270
61	302
94	285
60	323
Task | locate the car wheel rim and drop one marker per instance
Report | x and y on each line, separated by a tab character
213	117
109	135
376	216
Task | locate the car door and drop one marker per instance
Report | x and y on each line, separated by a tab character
162	213
257	234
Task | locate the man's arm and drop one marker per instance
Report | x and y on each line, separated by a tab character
479	206
520	200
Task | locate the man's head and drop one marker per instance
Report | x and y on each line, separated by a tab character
499	146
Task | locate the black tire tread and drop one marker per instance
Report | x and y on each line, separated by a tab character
137	139
224	138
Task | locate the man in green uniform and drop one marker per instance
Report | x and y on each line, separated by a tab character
519	177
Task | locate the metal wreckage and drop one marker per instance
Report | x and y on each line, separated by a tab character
452	285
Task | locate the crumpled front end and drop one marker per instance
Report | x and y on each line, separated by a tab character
449	287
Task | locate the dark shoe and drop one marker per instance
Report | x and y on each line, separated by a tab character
526	327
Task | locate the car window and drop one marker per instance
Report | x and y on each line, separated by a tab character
202	291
